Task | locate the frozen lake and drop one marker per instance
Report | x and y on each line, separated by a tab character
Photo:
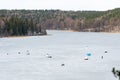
27	58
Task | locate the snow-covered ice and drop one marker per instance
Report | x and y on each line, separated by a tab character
28	58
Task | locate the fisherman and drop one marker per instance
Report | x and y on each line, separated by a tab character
62	64
101	57
18	52
106	51
49	56
28	53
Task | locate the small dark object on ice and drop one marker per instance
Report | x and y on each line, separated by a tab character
86	58
106	51
49	56
62	64
28	53
19	53
101	57
7	53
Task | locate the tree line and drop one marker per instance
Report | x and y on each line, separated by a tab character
19	26
31	22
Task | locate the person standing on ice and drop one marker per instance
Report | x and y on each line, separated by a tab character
101	57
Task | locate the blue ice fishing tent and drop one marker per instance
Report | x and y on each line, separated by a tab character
88	54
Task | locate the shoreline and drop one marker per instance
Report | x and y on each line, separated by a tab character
14	36
57	30
89	31
22	36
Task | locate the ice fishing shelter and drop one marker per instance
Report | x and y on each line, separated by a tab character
86	58
88	54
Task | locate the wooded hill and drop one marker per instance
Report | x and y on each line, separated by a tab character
31	22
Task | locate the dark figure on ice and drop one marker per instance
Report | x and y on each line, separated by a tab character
49	56
106	51
62	64
18	52
28	53
101	57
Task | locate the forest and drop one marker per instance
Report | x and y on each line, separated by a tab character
35	22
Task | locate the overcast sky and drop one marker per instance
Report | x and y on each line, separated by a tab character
60	4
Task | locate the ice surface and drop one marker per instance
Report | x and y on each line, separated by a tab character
68	48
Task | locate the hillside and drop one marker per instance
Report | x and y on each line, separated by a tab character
37	20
